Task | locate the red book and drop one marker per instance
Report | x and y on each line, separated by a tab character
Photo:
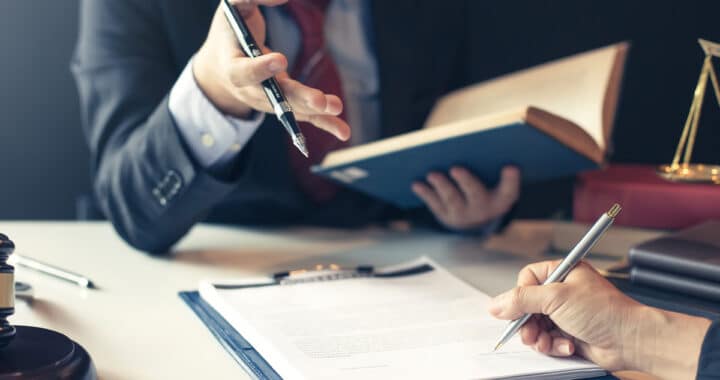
648	201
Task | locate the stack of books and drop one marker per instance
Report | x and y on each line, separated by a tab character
686	262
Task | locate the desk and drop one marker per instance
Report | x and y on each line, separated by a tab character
136	327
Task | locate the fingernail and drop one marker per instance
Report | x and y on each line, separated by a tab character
495	306
275	66
494	310
564	348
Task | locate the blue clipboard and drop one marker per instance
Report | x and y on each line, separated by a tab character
239	348
234	343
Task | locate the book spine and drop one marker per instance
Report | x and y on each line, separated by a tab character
679	284
663	299
674	264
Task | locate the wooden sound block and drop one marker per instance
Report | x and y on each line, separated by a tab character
40	354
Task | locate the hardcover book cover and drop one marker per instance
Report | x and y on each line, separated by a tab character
550	121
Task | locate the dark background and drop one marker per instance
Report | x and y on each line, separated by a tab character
44	159
660	76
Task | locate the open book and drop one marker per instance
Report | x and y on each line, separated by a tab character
552	120
410	321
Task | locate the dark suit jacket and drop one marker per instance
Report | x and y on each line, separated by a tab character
131	51
128	57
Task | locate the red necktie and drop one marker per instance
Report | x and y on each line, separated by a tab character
315	68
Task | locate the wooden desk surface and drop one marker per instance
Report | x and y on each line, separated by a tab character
136	327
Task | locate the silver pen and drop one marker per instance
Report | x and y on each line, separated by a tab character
573	258
277	99
62	274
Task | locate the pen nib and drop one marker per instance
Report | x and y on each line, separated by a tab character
299	142
497	346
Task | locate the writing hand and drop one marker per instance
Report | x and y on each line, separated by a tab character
588	316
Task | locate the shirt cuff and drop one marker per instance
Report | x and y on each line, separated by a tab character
214	138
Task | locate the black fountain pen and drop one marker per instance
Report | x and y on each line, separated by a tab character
280	105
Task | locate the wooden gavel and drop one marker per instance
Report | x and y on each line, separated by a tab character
7	291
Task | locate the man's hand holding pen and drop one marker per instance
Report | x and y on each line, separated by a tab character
231	80
586	315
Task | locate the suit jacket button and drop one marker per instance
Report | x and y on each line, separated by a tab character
167	188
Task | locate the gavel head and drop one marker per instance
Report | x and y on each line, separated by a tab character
7	291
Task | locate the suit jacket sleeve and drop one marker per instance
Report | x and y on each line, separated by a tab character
709	365
144	178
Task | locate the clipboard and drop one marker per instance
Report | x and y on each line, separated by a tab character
241	350
234	343
237	346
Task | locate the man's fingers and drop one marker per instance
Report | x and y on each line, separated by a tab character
448	192
302	95
430	197
554	344
247	75
473	190
543	343
333	104
310	100
561	346
548	341
508	190
530	331
536	299
536	273
331	124
247	7
251	71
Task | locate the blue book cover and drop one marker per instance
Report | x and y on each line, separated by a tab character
389	176
550	121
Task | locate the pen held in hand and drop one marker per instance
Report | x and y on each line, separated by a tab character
566	265
281	107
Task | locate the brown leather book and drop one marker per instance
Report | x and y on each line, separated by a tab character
648	201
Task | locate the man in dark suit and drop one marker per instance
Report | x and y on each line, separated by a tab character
174	115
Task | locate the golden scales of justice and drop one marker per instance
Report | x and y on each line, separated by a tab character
685	171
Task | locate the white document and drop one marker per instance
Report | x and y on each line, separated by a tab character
423	326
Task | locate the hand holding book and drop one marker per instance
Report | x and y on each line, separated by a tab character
461	201
550	121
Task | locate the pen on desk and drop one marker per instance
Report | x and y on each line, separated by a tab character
280	105
26	262
566	265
